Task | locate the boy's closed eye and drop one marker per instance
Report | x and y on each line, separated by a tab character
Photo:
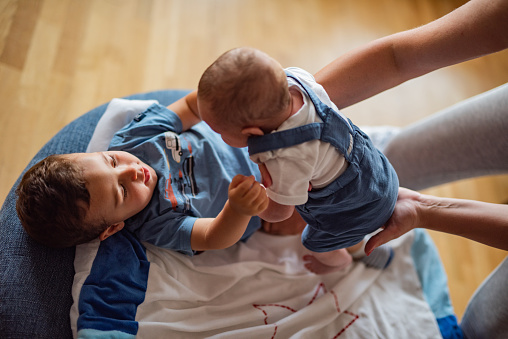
114	163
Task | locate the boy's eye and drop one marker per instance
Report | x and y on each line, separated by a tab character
113	161
124	191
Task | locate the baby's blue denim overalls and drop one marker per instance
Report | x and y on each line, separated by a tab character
359	201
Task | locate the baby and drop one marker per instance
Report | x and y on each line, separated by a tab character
309	154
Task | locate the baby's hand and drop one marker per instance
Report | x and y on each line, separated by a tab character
247	196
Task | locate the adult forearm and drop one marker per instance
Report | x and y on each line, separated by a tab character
477	28
361	73
479	221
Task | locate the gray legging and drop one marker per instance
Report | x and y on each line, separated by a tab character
467	140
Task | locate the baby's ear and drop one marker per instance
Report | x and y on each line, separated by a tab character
111	230
252	131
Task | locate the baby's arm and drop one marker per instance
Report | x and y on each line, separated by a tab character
187	109
247	198
275	212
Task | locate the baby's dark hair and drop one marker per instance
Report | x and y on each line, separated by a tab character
53	201
242	87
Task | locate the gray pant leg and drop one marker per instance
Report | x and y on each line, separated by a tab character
486	315
467	140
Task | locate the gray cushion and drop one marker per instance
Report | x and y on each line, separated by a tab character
36	281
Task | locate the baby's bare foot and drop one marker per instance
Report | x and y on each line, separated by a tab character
317	267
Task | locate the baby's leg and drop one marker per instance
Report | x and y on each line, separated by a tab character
328	262
467	140
291	226
380	258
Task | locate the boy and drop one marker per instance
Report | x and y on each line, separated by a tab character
309	154
70	199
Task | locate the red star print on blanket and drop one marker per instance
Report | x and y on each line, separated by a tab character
320	288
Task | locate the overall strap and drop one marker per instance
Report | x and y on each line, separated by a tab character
336	130
320	106
286	138
332	127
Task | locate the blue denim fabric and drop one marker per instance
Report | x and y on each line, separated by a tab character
355	204
36	281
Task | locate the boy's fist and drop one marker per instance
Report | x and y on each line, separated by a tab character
247	196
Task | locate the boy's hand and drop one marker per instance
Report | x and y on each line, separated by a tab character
247	196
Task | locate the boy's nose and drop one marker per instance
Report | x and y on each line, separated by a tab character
130	172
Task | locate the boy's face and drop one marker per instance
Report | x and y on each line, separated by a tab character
120	184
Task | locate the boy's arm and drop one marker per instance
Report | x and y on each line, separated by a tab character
246	199
187	109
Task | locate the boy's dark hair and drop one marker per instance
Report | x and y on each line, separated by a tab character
53	201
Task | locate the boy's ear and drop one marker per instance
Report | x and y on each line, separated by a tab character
252	131
111	230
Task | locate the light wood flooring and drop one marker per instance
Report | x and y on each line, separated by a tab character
60	58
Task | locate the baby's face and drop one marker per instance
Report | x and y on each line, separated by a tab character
232	135
120	184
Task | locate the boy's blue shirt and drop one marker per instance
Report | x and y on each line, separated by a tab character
194	169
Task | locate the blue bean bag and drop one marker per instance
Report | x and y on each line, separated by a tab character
36	281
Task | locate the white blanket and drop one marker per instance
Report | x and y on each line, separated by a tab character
257	289
260	289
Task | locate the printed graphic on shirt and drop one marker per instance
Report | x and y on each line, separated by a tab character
173	144
188	169
181	182
169	195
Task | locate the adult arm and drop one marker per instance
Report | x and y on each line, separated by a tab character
246	199
477	28
187	109
483	222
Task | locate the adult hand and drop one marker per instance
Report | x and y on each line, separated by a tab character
405	217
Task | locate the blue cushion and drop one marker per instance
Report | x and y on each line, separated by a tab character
36	281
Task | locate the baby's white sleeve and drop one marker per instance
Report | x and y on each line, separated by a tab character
290	180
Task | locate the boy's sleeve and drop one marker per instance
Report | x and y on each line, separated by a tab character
155	120
117	115
170	230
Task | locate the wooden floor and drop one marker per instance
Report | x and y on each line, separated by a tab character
60	58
